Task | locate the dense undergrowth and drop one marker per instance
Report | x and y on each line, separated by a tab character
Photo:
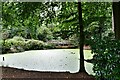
19	44
106	58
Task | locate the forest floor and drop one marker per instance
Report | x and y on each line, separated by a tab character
15	74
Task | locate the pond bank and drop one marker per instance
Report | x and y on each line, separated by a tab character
15	74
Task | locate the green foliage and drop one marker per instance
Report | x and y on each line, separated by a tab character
13	45
1	45
19	44
1	42
49	46
68	19
5	34
17	38
26	19
44	33
96	19
106	58
34	44
74	39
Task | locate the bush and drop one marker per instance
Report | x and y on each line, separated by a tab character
107	58
17	38
44	34
34	44
49	46
19	44
1	44
74	40
14	45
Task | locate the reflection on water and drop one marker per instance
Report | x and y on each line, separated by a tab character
57	60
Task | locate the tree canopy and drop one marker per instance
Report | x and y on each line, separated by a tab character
60	17
83	23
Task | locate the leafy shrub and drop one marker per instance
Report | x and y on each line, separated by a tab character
14	44
44	33
17	38
34	44
74	39
5	34
107	58
1	44
49	46
19	44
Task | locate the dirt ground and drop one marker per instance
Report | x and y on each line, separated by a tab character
15	74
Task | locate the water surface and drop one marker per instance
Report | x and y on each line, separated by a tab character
55	60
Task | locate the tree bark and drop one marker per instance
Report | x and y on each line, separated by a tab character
116	16
81	40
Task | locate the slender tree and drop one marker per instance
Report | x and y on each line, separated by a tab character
81	40
116	15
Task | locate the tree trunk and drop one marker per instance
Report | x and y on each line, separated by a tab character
116	15
81	41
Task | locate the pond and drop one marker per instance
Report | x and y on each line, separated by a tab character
54	60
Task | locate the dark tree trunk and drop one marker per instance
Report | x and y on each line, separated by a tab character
116	15
81	40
